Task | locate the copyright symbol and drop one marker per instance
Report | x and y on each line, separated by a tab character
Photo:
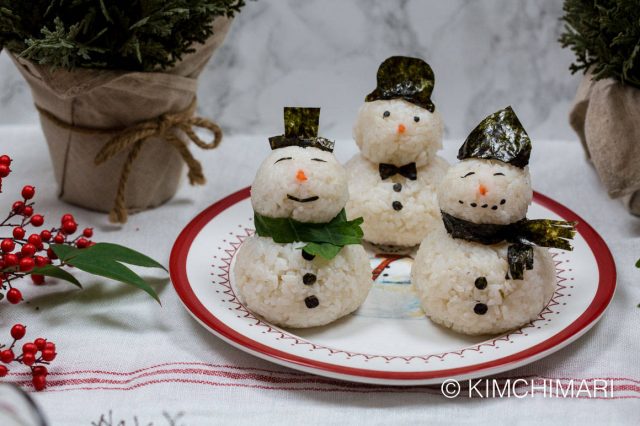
450	388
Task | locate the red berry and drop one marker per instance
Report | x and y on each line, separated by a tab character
18	331
18	232
82	243
50	346
35	239
40	343
4	170
45	235
40	370
7	356
48	355
28	249
37	279
10	259
67	218
14	296
27	264
27	211
87	232
7	245
28	192
5	160
39	382
29	348
37	220
69	227
51	255
41	261
3	371
28	358
58	239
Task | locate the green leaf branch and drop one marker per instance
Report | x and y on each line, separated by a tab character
137	35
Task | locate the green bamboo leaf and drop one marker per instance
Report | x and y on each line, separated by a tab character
64	251
56	272
638	264
118	253
111	269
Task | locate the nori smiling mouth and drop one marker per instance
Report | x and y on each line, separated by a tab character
303	200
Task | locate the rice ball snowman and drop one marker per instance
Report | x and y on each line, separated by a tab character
393	180
305	266
488	270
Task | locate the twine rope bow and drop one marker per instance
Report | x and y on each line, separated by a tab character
167	127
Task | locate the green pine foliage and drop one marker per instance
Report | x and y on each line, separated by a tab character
137	35
605	36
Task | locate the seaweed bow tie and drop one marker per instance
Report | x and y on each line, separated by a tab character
408	170
523	235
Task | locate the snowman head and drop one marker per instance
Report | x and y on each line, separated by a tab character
398	132
301	179
398	123
486	191
491	184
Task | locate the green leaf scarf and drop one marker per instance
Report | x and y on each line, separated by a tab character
323	239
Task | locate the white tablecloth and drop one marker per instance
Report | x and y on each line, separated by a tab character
121	353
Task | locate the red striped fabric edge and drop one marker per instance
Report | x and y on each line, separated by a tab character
233	376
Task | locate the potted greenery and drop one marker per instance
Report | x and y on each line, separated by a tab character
115	85
605	37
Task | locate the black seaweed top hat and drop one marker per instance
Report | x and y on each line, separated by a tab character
500	136
407	78
301	129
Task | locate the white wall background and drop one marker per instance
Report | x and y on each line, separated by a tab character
486	54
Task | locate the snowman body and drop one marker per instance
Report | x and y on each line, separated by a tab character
393	181
466	285
462	285
287	289
279	281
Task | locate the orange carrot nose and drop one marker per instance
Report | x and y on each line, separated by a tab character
482	189
300	176
401	128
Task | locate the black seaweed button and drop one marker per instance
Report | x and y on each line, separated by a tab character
307	256
397	187
397	205
479	309
481	283
311	302
309	279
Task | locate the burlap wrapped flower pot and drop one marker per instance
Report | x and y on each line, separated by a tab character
118	140
606	117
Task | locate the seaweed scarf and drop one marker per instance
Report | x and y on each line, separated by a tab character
323	239
522	235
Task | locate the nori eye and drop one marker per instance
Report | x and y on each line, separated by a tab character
468	174
386	114
498	174
416	118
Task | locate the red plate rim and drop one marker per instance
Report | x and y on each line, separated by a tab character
604	294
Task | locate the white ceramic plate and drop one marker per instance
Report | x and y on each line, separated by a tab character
388	340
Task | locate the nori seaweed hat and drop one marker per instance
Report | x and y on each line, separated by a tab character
407	78
301	129
500	136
